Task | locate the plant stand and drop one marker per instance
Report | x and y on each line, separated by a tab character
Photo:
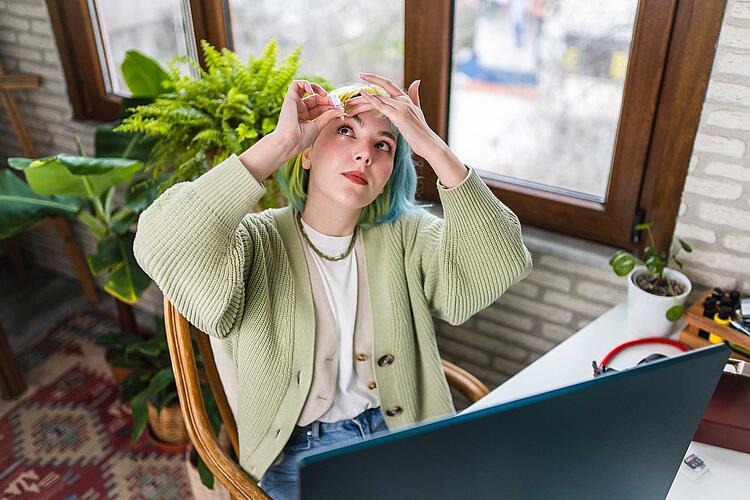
9	84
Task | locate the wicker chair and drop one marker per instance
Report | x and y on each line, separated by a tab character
225	469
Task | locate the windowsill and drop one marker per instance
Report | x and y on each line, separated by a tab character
549	242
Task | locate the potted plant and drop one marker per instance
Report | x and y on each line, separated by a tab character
152	393
85	187
199	122
656	292
92	181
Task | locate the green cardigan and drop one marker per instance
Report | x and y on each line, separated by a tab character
243	277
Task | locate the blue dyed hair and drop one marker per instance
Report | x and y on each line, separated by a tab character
399	193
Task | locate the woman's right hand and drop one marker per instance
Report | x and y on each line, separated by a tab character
301	120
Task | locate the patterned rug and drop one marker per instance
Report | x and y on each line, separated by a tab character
68	437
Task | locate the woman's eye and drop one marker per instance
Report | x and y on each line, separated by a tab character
387	148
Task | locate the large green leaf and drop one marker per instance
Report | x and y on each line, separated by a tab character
139	405
95	225
21	208
107	255
142	194
122	219
142	74
87	165
19	163
134	383
65	174
127	281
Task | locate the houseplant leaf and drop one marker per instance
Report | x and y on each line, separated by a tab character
65	174
107	255
127	281
20	207
674	312
685	245
139	405
111	144
201	121
95	225
622	263
142	74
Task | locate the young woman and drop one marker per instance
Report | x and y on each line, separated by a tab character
326	305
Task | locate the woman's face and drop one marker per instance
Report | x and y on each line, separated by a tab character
363	143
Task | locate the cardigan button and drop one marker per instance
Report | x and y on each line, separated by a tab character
393	411
361	356
385	360
372	385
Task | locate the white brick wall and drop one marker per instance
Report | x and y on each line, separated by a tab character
571	283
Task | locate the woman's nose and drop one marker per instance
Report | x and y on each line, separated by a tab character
362	155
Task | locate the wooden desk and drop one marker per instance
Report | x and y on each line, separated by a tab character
570	362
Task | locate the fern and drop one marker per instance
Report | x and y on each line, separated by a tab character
202	121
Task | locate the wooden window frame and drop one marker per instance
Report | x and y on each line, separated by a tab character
76	42
665	86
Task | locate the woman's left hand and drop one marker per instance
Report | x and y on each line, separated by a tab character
402	110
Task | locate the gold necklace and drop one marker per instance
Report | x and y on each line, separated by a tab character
321	254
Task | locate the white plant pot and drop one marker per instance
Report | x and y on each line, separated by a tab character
647	313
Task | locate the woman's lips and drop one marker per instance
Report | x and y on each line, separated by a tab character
354	179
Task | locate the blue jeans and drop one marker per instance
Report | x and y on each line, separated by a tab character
281	481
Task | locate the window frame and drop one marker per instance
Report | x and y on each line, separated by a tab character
76	42
668	73
665	86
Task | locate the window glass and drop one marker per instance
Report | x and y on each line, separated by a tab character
160	29
536	89
339	38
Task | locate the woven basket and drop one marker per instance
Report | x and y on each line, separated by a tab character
168	425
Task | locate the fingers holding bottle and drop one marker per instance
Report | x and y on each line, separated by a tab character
302	118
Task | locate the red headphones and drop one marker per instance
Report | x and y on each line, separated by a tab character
602	367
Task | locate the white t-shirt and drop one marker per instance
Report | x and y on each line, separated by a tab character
340	281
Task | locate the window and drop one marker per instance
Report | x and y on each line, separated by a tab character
367	36
161	30
93	35
579	115
666	59
548	79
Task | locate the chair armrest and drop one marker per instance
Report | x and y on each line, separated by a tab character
226	470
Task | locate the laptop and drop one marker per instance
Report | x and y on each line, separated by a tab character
621	435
